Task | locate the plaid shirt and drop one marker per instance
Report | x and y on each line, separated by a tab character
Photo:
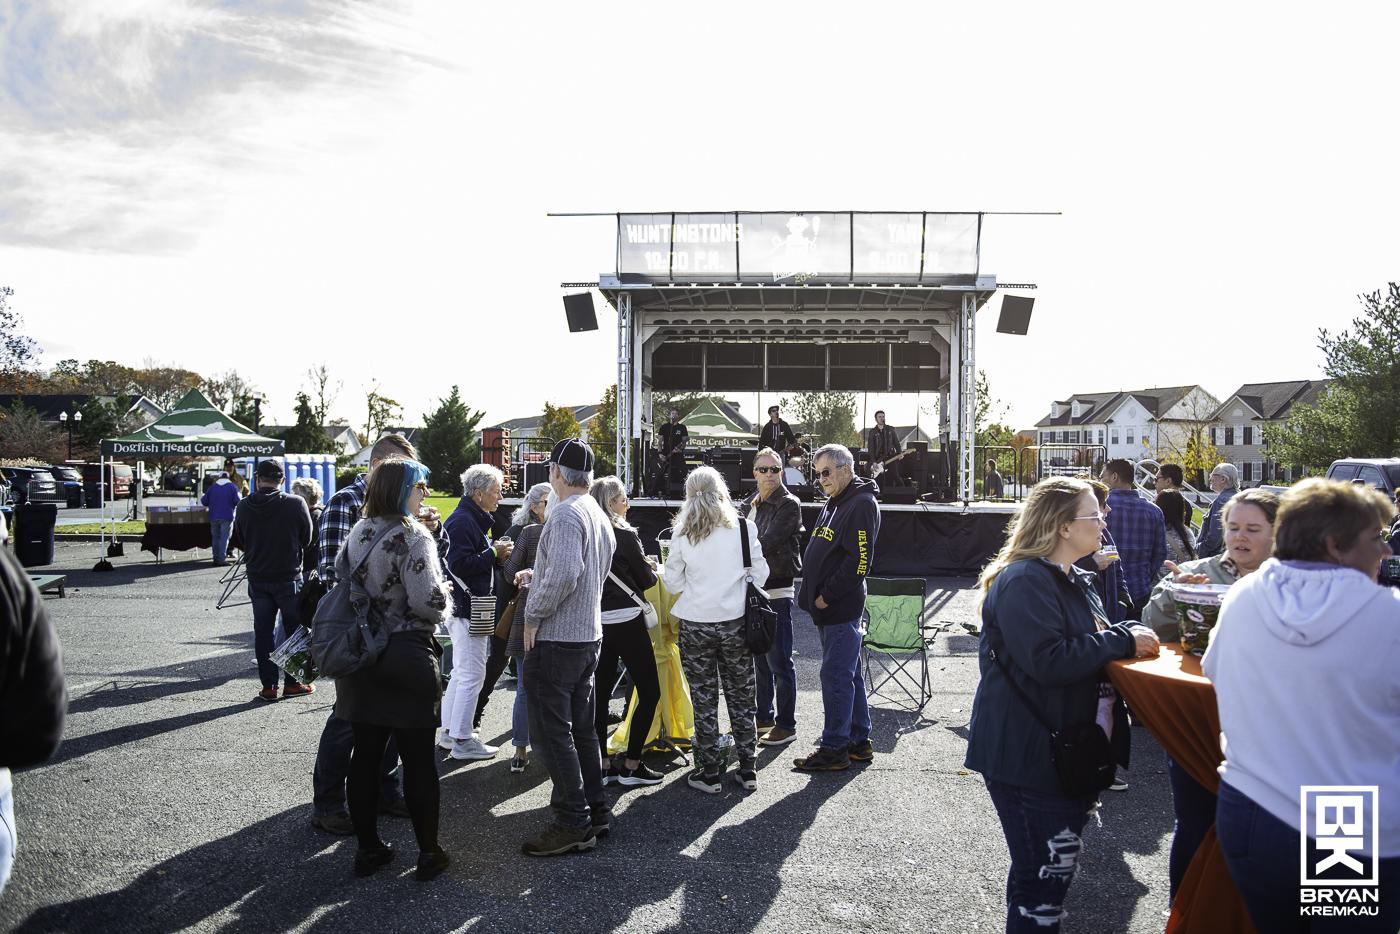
342	512
1141	533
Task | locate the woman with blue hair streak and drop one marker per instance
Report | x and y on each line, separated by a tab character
398	695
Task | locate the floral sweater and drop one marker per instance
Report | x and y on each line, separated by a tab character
403	576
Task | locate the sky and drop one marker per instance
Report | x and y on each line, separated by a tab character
268	186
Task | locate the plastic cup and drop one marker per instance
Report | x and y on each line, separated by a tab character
1197	610
663	542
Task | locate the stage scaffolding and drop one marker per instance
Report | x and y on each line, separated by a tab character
750	302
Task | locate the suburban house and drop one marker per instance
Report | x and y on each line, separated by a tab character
361	458
1237	423
1159	423
347	442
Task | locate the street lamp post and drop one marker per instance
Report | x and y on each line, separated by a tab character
63	417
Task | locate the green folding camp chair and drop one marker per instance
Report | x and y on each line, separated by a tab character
897	636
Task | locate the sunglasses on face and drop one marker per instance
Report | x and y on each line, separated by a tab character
768	470
421	486
828	471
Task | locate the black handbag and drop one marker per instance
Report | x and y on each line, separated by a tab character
1082	754
760	619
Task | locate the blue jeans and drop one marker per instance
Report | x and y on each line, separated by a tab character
1194	807
8	837
333	764
1263	855
221	529
776	671
559	694
520	713
843	686
267	600
1043	834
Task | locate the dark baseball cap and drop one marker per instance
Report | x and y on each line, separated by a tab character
572	453
269	470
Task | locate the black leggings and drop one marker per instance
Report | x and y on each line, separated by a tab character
629	642
420	781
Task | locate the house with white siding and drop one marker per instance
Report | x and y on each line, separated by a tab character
1133	424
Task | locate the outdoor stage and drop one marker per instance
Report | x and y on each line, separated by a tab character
922	540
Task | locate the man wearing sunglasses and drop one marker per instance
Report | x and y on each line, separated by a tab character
778	517
776	434
838	558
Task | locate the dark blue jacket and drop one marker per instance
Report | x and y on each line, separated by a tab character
222	499
1040	623
470	556
840	554
1212	538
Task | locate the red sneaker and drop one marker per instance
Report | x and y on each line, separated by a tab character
267	694
296	690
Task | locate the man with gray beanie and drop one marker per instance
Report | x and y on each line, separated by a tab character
563	635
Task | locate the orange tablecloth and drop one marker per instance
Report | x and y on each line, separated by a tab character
1174	698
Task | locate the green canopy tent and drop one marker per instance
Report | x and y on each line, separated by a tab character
708	424
192	428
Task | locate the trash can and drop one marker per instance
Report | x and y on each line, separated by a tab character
92	499
33	533
74	493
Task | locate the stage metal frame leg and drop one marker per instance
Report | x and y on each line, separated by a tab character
967	399
626	390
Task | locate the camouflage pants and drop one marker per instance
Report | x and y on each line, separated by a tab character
714	654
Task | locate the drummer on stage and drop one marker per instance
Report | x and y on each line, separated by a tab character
672	438
883	443
776	434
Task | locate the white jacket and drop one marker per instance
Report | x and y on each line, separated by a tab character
1303	661
709	576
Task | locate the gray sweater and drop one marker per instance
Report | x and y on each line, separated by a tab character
575	553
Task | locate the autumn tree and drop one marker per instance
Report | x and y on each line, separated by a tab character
559	423
164	385
602	434
447	443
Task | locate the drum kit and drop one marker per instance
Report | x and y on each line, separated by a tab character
799	463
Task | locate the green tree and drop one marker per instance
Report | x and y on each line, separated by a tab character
22	434
602	434
447	443
559	423
1358	415
825	417
307	436
988	414
245	411
18	353
99	421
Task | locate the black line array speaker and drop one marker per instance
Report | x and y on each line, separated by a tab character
1015	314
579	310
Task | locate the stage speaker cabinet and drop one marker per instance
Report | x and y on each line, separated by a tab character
579	310
535	473
1015	314
804	492
899	495
733	477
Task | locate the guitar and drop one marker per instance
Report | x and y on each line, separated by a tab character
877	469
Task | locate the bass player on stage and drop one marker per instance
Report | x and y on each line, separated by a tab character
671	439
883	444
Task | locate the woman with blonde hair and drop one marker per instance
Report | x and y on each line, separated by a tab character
705	567
625	638
1043	626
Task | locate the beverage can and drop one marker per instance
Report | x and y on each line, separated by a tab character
723	748
1197	610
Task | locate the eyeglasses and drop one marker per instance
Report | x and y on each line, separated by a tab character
1099	516
420	485
828	471
768	470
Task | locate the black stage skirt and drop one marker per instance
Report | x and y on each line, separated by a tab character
403	689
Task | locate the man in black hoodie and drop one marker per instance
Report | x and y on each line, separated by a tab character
33	694
838	558
275	528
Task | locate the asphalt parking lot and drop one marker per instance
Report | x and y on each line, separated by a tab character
177	803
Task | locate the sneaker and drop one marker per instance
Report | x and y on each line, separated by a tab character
824	760
298	690
861	751
446	741
602	821
367	861
746	776
431	864
641	775
333	823
766	726
777	737
611	775
473	749
1119	783
558	840
706	782
267	694
398	808
518	764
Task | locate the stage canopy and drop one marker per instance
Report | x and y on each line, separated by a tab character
706	422
193	428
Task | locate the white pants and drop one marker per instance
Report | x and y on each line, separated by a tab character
464	687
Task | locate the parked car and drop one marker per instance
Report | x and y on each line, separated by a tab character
1379	473
120	478
32	485
179	478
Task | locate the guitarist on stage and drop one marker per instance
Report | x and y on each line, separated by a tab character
883	443
776	434
671	439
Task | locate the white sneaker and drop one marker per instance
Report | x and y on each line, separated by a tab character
446	741
472	749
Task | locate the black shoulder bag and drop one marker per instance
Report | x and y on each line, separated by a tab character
760	619
1082	754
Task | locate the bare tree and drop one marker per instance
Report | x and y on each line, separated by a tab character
322	391
225	389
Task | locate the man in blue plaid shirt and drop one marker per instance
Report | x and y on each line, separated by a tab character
337	741
1140	531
